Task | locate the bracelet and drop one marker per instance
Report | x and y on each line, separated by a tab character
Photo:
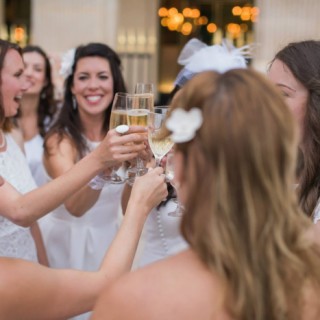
98	182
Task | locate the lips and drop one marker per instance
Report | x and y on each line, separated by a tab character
17	99
94	99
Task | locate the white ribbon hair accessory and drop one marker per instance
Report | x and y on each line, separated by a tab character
67	62
184	124
197	57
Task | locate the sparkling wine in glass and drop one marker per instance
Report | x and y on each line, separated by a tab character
159	142
118	117
138	107
169	172
144	88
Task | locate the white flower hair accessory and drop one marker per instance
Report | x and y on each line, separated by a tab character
67	62
184	124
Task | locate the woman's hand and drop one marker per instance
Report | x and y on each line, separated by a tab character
116	148
149	190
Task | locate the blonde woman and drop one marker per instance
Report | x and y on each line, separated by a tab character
252	251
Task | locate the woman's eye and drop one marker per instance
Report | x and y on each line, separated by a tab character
104	77
82	78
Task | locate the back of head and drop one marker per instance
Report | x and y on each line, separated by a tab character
242	217
302	58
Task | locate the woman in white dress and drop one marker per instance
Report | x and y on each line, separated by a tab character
38	109
296	71
77	233
58	294
19	211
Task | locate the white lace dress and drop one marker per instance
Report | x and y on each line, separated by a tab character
16	241
161	236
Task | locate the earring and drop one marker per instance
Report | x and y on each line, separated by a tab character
43	95
74	103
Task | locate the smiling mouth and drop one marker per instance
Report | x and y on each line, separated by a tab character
17	99
93	98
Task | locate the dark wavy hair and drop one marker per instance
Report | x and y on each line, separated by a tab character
68	122
47	107
303	60
5	46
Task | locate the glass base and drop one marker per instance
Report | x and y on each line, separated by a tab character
132	173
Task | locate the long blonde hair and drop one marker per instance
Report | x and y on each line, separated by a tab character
244	221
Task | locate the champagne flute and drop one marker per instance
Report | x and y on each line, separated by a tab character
160	143
144	88
118	117
138	107
170	178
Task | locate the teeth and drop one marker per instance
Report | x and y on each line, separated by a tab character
94	98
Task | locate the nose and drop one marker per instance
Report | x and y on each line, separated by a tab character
93	83
27	71
25	85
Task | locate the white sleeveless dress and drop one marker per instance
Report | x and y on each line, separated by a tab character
16	241
34	153
161	236
80	243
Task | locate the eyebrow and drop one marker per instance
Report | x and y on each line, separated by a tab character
285	86
100	72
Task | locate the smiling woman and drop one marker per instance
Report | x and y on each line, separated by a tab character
21	204
87	222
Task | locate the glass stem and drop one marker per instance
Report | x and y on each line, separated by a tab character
140	164
158	162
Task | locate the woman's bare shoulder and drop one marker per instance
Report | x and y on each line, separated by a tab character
162	290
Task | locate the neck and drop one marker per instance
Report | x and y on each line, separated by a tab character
29	105
93	127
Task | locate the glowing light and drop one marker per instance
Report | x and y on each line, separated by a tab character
186	28
164	22
245	16
255	10
211	27
172	26
195	13
163	12
236	11
178	18
172	11
234	29
19	34
203	20
187	12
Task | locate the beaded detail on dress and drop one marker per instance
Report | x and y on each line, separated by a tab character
16	241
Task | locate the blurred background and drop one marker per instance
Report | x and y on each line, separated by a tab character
149	34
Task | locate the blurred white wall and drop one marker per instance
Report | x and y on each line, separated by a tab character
281	22
128	26
58	25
